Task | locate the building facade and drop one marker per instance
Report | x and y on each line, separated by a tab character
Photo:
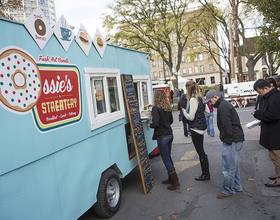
202	70
261	70
47	6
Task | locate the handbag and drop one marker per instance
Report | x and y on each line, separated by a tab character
154	137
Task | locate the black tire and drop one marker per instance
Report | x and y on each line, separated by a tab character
109	194
233	103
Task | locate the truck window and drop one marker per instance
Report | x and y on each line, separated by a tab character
104	93
142	87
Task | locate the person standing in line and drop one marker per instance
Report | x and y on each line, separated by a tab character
209	118
277	80
171	96
182	104
269	115
232	136
177	92
195	113
161	120
221	88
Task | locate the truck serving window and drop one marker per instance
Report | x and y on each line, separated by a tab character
143	90
104	96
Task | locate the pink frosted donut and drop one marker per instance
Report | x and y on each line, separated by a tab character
20	80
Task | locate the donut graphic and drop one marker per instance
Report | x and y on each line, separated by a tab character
20	80
40	27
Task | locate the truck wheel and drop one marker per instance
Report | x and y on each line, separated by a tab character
109	194
233	103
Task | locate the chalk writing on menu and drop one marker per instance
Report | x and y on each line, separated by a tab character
138	133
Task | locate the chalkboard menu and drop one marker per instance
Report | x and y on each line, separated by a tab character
138	133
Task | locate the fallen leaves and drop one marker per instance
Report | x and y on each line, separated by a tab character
173	217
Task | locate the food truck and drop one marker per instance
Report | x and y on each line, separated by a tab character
65	134
164	87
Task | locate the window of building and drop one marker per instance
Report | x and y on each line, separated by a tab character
104	93
200	56
176	60
155	75
159	63
212	78
183	59
152	52
189	70
166	73
143	90
154	63
195	58
176	48
184	71
188	59
202	69
200	81
211	67
174	36
161	74
196	69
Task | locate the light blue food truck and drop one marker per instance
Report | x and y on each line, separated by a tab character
64	129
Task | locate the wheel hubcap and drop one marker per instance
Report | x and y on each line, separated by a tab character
113	192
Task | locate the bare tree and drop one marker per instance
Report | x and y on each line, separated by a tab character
158	25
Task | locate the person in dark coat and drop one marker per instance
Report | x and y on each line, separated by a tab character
232	136
269	115
182	104
171	96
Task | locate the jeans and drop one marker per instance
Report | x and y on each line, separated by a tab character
186	126
164	145
222	94
230	168
210	126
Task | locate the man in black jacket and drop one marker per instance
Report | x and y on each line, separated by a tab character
232	136
269	115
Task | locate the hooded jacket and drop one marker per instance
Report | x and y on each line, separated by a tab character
228	122
269	115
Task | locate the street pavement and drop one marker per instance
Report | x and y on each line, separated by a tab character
196	200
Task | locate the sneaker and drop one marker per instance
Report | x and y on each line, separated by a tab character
224	196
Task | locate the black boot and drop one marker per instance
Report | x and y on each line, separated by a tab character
174	180
168	181
205	170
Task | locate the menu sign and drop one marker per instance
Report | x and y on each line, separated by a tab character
60	101
138	133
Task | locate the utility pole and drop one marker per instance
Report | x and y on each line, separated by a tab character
231	52
236	34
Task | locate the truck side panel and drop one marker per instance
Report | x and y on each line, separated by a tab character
55	174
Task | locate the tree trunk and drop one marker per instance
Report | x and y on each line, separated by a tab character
250	65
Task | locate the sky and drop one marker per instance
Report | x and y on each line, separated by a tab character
87	12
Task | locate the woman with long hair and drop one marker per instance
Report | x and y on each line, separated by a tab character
195	113
162	119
